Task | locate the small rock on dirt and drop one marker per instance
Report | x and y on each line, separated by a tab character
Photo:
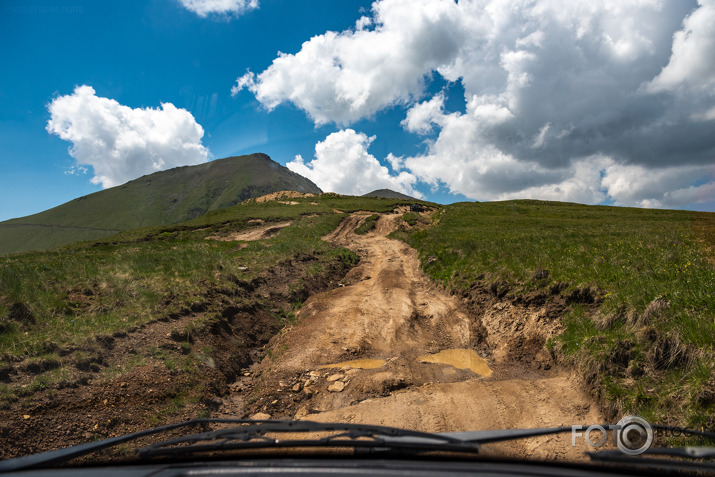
302	412
296	388
336	387
261	416
334	377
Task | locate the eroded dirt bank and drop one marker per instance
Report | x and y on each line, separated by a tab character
172	369
389	310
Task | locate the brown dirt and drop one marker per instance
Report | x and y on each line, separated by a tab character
254	233
386	308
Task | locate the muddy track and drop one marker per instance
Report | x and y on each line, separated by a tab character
389	310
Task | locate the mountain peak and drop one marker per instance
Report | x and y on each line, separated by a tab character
161	198
388	194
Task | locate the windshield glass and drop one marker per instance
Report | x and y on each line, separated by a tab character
439	216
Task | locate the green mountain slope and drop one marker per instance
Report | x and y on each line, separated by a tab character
165	197
388	194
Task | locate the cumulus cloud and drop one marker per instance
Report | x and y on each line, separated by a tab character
342	77
692	62
563	99
204	8
559	111
422	117
342	164
121	143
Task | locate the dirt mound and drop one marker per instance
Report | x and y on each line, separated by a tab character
282	195
256	233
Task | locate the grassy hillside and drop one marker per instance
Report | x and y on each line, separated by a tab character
640	284
130	273
165	197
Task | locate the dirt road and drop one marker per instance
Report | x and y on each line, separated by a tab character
389	313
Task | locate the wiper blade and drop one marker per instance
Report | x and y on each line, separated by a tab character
690	452
686	452
374	437
263	435
646	461
502	435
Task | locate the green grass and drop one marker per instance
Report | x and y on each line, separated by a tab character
411	218
367	225
650	273
69	295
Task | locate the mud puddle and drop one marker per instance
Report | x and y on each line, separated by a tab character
460	359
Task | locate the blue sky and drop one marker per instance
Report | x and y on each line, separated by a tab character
477	100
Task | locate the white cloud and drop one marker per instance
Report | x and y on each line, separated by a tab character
204	8
421	117
692	62
342	77
563	99
635	185
540	139
121	143
342	164
76	170
580	182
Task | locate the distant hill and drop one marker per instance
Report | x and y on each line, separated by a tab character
165	197
388	194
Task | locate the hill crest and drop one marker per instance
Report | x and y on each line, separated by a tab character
388	194
161	198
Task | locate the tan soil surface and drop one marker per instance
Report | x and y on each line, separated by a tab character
388	309
257	233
